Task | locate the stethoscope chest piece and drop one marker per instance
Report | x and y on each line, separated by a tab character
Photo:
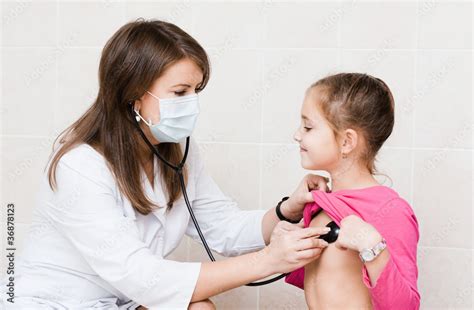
331	236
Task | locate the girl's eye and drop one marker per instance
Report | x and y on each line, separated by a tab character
179	93
307	128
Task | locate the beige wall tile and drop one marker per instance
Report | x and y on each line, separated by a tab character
28	90
23	160
89	23
236	170
439	30
443	198
443	100
29	23
445	278
366	24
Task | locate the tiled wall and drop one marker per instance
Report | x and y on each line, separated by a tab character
264	54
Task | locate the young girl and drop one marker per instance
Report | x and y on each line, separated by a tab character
372	265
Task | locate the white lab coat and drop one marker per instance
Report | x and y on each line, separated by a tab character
87	248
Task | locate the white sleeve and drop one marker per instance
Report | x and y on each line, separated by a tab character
228	230
85	212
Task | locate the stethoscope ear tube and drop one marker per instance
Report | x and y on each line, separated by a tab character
206	246
179	171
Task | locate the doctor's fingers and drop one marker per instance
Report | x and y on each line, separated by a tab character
309	232
309	255
287	226
311	243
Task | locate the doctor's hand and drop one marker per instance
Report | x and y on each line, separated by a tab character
293	207
292	246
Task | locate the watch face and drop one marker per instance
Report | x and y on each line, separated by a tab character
367	255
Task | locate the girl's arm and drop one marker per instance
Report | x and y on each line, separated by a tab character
391	289
392	276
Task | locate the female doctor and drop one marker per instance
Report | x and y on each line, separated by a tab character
109	212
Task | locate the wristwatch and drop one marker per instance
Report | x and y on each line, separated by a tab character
368	255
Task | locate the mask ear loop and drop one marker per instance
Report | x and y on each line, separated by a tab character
154	96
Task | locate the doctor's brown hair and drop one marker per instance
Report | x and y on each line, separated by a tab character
136	55
361	102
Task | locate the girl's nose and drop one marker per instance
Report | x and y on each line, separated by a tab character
296	136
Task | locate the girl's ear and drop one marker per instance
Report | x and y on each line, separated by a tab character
349	141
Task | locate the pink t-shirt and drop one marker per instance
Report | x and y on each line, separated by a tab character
383	208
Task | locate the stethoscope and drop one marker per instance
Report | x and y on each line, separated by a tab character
329	237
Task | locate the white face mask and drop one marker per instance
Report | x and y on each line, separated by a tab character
177	118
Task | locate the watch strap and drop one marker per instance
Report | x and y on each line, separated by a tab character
376	250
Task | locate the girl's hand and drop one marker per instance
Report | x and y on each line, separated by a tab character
356	234
293	207
292	246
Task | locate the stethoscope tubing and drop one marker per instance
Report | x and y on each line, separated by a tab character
179	171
